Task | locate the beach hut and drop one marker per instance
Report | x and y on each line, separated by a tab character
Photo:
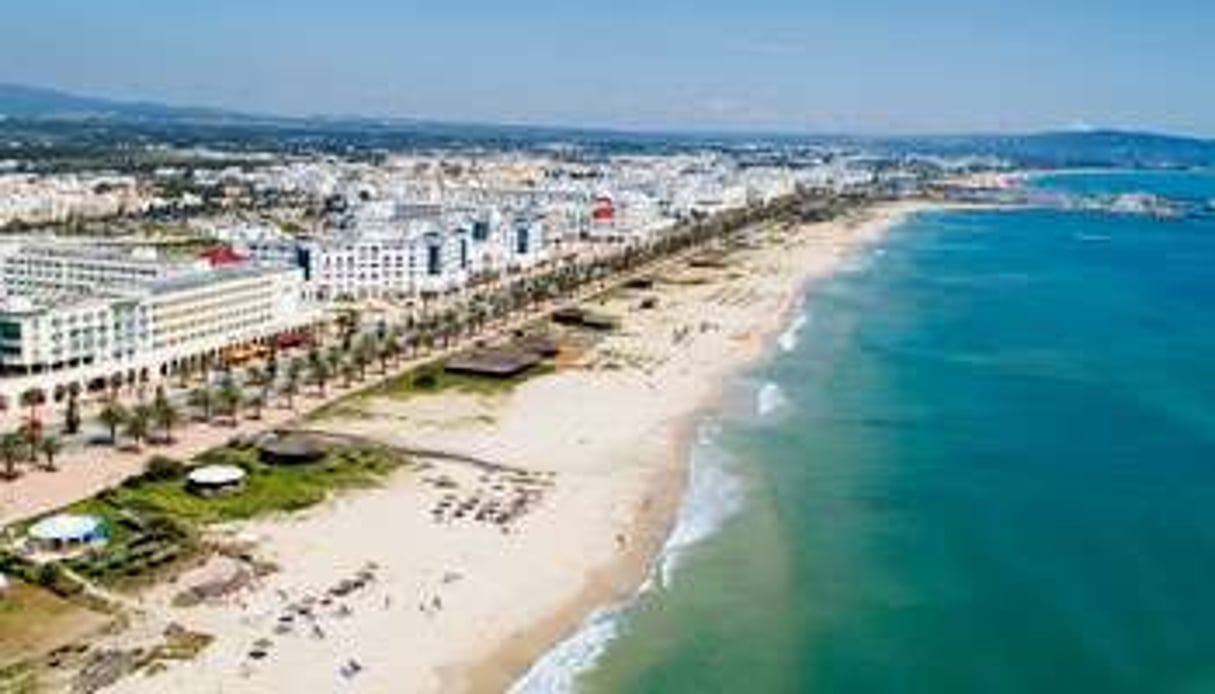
66	530
494	362
292	449
600	321
211	480
570	315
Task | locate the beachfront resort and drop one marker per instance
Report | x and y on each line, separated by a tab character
175	394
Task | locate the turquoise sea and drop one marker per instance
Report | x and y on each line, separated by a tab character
982	460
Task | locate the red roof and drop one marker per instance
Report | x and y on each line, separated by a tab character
604	210
222	255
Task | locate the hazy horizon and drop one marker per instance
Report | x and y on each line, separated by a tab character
871	68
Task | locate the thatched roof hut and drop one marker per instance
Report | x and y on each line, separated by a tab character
569	315
495	362
583	318
292	449
599	321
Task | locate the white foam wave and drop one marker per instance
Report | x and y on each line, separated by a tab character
714	494
855	265
788	339
769	399
558	670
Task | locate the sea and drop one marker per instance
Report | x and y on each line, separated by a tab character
980	459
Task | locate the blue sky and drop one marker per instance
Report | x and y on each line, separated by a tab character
808	65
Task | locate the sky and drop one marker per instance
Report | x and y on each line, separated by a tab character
855	66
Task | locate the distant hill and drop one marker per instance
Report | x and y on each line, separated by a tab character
1100	148
39	103
1093	148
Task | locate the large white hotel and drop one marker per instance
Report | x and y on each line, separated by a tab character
417	249
73	314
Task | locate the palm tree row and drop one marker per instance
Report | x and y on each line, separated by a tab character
18	446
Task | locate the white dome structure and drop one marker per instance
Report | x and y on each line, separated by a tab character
65	529
211	479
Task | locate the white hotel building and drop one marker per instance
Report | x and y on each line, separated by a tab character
60	330
428	251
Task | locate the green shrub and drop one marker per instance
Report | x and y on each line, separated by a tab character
48	575
426	379
162	468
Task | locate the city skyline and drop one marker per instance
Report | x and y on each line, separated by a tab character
870	68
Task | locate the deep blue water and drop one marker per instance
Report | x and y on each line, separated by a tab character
994	471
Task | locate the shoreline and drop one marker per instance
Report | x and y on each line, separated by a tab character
488	675
621	475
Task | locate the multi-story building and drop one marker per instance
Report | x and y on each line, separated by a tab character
433	252
143	330
49	266
42	335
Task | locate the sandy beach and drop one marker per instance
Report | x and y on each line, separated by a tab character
415	586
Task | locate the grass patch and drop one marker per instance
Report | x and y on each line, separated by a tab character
154	521
428	379
268	488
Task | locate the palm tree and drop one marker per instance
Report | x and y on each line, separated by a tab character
333	358
291	386
112	415
164	415
348	326
32	398
390	347
202	398
71	416
387	351
360	359
256	403
349	371
11	446
31	433
229	398
320	373
50	446
259	380
136	427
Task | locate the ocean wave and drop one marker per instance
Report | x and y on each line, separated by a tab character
559	669
713	496
788	339
769	399
853	266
